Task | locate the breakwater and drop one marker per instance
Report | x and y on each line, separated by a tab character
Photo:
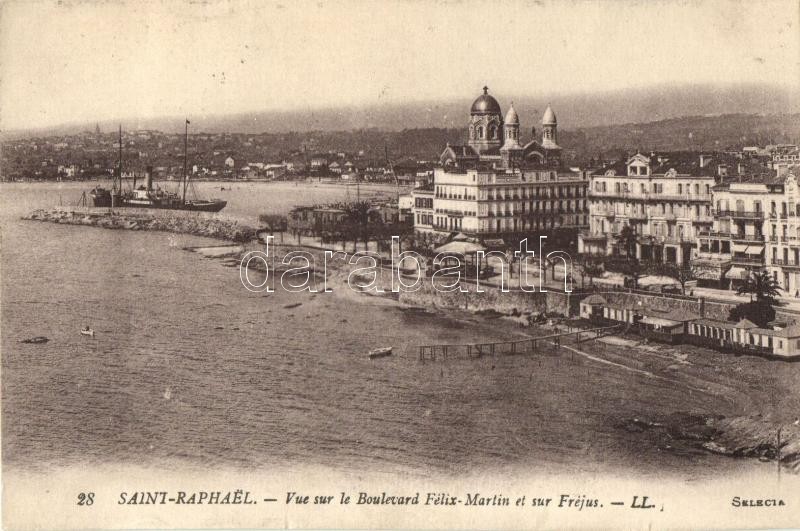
198	224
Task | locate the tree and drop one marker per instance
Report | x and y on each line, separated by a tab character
759	313
761	285
591	268
626	240
681	273
632	269
355	225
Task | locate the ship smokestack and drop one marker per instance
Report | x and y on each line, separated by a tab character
148	178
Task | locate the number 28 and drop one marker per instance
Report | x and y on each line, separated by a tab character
86	498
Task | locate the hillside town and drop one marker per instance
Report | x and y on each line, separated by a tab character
688	224
95	155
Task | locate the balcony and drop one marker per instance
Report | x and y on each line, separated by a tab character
789	264
449	212
744	260
702	220
747	238
678	240
713	234
740	214
653	197
594	237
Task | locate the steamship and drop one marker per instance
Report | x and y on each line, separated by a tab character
147	196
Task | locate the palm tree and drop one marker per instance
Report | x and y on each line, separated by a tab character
761	285
356	221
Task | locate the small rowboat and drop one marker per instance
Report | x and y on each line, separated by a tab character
38	340
87	332
380	352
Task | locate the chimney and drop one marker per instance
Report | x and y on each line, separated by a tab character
148	178
704	159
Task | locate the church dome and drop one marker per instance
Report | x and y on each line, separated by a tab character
485	104
512	118
549	117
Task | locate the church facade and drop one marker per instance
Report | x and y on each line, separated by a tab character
494	186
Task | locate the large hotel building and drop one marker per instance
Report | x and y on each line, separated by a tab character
665	198
495	187
720	215
756	225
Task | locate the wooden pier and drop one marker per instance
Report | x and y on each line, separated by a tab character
508	348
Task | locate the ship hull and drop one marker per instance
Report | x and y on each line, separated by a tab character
100	198
194	206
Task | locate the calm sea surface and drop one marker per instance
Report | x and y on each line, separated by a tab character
190	369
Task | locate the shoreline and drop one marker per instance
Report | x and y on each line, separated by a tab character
738	433
729	431
384	186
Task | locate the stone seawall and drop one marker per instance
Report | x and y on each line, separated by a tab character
709	309
661	303
516	302
513	302
195	223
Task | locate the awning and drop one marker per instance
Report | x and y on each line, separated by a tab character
658	321
755	249
494	243
463	248
740	247
736	273
708	271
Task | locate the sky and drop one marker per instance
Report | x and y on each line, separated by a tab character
71	61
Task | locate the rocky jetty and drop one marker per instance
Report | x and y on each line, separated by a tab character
167	222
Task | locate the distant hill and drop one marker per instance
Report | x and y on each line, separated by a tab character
574	111
692	133
689	133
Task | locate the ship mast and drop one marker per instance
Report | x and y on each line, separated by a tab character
391	168
116	184
118	181
185	149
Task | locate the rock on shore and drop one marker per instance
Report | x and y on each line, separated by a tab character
183	224
741	436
